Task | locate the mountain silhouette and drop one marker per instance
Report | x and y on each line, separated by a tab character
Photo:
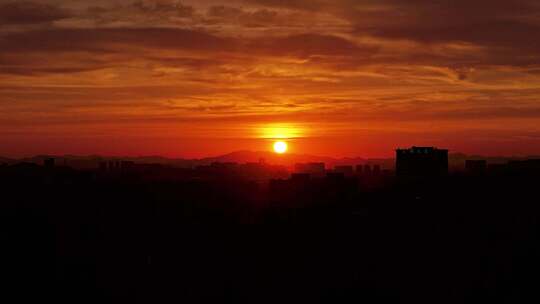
456	160
287	159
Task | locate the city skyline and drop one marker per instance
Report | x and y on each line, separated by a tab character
270	151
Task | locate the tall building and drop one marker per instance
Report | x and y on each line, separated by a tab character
421	162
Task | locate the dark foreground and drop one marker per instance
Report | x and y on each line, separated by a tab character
455	240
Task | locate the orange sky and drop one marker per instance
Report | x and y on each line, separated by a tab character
205	77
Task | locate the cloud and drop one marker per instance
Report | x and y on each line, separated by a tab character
310	5
140	13
117	46
484	22
311	44
164	7
24	13
110	40
227	12
254	18
487	23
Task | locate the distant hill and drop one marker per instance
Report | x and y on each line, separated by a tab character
288	159
92	161
5	160
456	160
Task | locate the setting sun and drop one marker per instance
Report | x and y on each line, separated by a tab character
280	147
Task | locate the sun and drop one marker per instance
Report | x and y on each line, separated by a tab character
280	147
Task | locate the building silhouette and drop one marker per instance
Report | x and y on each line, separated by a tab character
528	166
497	168
367	170
335	177
49	162
476	166
315	169
127	165
346	170
421	162
300	178
376	169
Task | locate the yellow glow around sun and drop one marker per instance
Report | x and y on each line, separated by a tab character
280	131
280	147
